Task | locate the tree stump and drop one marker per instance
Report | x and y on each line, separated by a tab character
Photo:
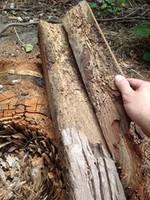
29	164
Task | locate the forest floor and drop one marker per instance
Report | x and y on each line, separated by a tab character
127	47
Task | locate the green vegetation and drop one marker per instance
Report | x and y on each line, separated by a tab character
111	6
28	47
114	7
143	31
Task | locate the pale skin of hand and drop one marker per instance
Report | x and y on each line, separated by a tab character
136	98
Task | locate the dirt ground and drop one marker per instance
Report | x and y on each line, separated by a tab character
127	47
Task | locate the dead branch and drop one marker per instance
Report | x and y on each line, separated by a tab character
123	19
51	20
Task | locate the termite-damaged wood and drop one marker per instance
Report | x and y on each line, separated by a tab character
89	171
20	96
98	67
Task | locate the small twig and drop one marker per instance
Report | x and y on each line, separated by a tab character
123	19
137	73
22	8
135	11
145	11
18	37
16	24
129	3
15	9
52	20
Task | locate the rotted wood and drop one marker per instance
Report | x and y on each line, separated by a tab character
98	66
27	135
89	170
22	98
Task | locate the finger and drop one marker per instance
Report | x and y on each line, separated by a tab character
135	83
123	84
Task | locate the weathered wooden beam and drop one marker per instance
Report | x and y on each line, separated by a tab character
98	66
89	171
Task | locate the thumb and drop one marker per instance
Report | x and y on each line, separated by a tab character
122	84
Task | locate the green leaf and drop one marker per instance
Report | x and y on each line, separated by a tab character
104	5
142	30
110	1
146	56
122	2
93	5
114	10
110	10
28	48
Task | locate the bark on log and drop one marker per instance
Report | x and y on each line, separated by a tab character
98	67
89	170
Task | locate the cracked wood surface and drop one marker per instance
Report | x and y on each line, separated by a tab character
93	174
98	66
89	171
23	100
26	129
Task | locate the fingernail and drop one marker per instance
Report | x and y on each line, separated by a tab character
118	77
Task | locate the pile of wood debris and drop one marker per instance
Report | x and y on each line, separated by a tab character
30	168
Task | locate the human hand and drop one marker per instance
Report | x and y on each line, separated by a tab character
136	99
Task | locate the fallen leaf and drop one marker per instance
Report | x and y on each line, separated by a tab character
28	47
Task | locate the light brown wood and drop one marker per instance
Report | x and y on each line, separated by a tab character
98	66
89	171
69	103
